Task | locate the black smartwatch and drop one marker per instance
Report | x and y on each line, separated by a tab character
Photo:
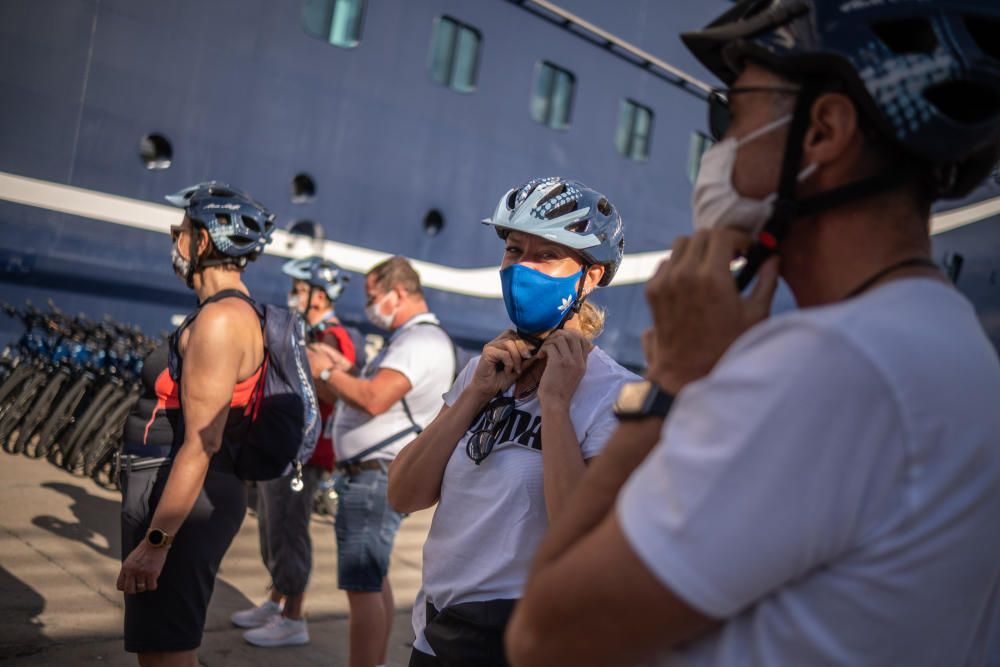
637	400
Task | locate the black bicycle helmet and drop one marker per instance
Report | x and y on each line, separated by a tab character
238	226
927	73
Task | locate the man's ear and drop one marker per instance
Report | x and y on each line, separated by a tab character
833	130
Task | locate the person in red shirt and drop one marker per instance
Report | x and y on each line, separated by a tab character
283	513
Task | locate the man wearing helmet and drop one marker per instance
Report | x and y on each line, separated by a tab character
826	487
283	513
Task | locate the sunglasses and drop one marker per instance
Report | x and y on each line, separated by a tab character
720	116
175	232
481	442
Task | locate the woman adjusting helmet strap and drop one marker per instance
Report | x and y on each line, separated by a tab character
569	213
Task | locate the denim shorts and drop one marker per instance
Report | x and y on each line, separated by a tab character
366	527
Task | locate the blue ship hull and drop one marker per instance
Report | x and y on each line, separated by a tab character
246	96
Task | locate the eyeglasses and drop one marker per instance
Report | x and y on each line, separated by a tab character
496	413
175	232
720	116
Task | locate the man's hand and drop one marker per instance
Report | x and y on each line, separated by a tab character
697	310
565	353
323	356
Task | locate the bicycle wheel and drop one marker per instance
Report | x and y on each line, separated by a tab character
17	410
61	417
107	436
13	381
83	426
42	408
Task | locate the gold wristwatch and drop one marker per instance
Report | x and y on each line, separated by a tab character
158	539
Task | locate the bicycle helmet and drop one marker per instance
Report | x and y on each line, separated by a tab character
569	213
927	74
318	272
238	226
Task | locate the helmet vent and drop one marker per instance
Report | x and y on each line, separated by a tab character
555	192
964	101
250	223
221	219
512	200
562	209
910	35
604	206
986	33
580	227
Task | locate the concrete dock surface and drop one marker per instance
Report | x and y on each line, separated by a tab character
60	556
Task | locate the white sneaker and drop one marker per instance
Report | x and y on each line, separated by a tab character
256	617
279	631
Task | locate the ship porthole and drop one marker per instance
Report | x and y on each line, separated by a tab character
433	222
303	188
155	151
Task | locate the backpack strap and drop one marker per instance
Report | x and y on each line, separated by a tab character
414	427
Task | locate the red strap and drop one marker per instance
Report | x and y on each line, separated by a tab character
344	341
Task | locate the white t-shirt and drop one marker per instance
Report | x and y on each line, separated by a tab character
491	517
832	489
424	354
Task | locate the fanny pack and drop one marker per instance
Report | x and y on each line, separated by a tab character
470	633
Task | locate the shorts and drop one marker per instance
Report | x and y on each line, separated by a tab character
172	618
283	517
366	527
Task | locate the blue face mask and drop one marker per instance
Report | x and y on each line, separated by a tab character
537	302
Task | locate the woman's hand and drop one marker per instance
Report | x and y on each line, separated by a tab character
504	359
141	570
565	352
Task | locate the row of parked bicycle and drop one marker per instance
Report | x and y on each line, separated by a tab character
66	388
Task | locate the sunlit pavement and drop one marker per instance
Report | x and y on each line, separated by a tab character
59	558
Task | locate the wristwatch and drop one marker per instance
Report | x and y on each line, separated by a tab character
158	538
324	374
642	399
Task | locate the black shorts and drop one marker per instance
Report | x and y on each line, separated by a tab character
172	618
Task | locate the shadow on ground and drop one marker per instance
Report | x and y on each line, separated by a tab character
91	514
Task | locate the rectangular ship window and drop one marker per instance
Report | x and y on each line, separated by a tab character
699	143
336	21
455	54
635	127
552	96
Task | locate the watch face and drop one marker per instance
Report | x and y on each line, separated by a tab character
156	537
632	397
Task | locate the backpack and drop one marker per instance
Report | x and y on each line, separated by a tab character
284	415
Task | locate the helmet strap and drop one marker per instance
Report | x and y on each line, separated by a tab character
787	208
193	252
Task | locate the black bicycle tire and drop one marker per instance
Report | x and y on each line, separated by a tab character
107	436
16	412
97	405
75	459
35	417
62	415
15	379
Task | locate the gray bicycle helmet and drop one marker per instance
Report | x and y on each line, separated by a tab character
318	272
926	73
569	213
238	226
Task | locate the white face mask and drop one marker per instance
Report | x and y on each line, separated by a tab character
716	202
375	316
